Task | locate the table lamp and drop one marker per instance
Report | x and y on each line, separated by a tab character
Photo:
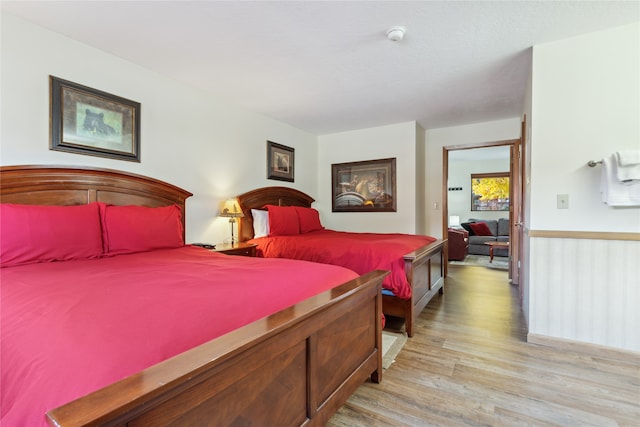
232	211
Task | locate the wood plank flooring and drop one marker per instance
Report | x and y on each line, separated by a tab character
468	364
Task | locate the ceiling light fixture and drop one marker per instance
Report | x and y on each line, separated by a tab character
395	34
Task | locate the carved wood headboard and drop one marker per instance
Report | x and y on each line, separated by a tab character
256	199
62	185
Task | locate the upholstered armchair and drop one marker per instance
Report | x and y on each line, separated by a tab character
458	244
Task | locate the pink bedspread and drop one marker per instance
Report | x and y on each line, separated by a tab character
360	252
69	328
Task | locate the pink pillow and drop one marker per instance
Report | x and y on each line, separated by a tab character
480	229
309	219
129	229
32	233
283	220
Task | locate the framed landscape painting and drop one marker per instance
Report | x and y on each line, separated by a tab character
88	121
367	186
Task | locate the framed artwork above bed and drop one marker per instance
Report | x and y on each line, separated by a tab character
88	121
280	162
367	186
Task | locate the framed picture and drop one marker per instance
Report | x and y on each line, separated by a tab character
280	162
490	191
88	121
368	186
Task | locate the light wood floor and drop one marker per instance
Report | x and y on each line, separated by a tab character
468	364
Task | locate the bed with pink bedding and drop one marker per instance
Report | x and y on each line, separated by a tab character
360	252
109	319
282	223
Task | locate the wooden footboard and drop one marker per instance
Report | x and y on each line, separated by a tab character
295	367
424	269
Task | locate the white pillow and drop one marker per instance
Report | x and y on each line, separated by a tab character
260	223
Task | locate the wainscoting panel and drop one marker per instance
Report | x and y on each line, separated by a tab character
586	290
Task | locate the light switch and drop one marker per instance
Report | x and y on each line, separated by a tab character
563	201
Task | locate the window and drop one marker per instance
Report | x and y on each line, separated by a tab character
490	191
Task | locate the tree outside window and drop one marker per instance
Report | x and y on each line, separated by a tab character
490	191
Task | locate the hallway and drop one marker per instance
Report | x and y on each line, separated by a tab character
468	364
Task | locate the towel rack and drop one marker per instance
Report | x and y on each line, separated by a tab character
593	163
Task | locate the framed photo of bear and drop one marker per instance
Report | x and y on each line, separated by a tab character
88	121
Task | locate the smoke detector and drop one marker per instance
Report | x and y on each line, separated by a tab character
395	34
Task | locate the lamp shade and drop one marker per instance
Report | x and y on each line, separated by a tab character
454	221
231	209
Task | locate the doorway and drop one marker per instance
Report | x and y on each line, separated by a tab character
486	158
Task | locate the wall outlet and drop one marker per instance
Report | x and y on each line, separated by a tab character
563	201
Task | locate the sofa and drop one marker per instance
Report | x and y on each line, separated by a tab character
498	231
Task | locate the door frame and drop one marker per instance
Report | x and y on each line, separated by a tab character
515	195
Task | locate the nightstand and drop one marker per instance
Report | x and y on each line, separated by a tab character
241	248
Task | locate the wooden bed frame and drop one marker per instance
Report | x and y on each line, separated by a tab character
295	367
424	267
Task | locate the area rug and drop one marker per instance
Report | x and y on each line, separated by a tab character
499	263
392	343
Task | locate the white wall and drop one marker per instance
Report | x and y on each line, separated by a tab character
436	139
188	138
421	180
525	256
399	141
585	105
459	201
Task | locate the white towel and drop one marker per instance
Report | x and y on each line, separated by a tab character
614	192
627	164
628	158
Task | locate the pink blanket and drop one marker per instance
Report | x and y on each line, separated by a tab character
360	252
69	328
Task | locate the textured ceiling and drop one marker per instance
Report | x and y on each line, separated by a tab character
327	66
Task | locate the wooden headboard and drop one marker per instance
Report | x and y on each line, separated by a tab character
61	185
256	199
